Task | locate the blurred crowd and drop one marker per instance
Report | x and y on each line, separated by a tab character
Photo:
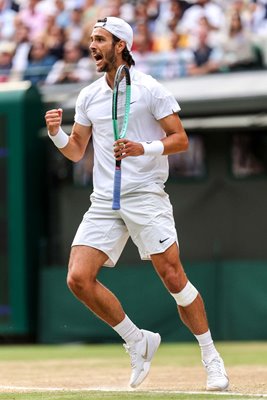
46	41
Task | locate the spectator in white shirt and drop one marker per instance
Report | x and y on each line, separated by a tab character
73	68
7	18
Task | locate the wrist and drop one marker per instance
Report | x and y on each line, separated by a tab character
154	148
60	139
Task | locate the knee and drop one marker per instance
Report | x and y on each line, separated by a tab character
174	278
77	281
186	296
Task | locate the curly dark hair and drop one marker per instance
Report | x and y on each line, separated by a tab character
126	55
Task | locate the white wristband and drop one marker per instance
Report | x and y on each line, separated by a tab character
154	148
61	139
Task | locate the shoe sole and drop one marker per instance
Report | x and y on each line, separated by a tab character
218	389
147	364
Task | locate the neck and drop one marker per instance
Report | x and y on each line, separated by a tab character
110	76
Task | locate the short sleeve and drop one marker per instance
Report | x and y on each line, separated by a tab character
163	103
80	111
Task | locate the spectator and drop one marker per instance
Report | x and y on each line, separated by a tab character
202	8
147	10
35	20
141	51
46	7
158	24
91	11
14	5
7	21
143	39
6	54
258	27
237	45
240	7
165	27
207	58
23	45
141	14
127	12
168	64
55	39
143	45
62	14
74	31
176	60
40	62
73	68
111	8
258	19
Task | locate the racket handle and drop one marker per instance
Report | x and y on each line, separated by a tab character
117	190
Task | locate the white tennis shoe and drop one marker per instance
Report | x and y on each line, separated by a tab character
217	378
141	354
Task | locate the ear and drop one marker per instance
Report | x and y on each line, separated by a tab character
121	45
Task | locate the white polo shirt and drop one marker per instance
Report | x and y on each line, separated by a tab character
150	102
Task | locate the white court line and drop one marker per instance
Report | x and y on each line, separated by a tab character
116	389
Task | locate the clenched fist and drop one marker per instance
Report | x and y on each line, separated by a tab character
53	120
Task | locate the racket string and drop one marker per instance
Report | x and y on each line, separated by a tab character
121	103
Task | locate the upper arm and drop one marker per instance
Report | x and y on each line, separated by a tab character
177	139
172	124
81	134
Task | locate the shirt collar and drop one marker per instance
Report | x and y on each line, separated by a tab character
106	88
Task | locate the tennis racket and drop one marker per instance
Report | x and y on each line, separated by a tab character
120	116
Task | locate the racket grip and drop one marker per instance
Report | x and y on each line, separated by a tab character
117	190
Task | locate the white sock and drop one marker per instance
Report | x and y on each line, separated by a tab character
128	331
208	350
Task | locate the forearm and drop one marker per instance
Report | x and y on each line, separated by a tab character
68	145
175	143
71	146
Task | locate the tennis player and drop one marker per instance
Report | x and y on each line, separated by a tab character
154	132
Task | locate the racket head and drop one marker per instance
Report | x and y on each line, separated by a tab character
121	102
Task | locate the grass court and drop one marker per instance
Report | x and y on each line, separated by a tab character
79	372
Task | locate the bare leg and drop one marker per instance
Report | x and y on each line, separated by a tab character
85	263
171	272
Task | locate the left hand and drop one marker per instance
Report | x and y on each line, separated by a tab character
124	148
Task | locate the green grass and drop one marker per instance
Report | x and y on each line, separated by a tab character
186	354
116	396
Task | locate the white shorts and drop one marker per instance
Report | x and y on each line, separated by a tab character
147	217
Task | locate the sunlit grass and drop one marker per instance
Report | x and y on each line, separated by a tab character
234	353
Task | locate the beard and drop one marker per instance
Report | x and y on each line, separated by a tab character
109	62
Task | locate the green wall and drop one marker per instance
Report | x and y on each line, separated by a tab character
21	115
234	294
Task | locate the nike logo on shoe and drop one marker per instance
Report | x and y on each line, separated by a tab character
144	356
164	240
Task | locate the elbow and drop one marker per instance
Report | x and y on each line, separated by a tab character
185	144
76	158
78	154
177	144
